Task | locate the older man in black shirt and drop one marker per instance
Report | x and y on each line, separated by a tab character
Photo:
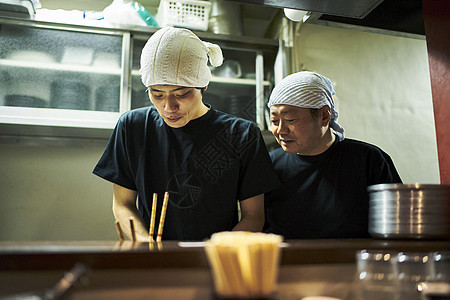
324	175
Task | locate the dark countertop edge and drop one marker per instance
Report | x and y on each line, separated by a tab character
51	255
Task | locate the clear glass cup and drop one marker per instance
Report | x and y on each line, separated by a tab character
413	268
439	266
376	275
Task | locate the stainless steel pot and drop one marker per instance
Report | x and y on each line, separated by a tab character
417	211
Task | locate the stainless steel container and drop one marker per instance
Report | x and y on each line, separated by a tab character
409	211
225	17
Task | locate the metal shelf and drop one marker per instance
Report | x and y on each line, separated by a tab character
60	67
58	117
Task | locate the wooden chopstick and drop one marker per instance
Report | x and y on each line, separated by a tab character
162	217
133	232
119	231
152	217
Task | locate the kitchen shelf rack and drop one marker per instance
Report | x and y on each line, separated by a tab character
36	78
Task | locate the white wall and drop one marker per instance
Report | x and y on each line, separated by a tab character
383	92
48	191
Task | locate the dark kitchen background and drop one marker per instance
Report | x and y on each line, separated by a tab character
379	65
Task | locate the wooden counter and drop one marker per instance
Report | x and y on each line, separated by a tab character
112	254
173	270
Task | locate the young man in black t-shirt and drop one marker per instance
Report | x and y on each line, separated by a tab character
206	160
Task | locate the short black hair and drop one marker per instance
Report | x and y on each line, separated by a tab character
202	89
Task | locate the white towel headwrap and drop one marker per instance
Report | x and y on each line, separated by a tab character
307	90
176	56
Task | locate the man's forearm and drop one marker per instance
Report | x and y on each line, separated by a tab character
253	223
123	215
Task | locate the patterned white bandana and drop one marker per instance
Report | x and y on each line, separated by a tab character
307	90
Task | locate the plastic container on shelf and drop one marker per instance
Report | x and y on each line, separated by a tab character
225	17
190	14
128	12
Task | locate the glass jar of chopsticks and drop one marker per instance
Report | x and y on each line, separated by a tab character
244	264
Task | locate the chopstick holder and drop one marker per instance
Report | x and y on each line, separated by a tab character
244	264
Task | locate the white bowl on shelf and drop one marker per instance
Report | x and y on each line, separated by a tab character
31	56
77	55
106	60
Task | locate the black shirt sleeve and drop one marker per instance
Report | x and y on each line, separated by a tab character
114	165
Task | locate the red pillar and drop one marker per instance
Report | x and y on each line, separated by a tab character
436	15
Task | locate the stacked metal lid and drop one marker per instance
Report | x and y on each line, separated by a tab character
418	211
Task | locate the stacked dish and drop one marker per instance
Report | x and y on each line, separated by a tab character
24	101
107	98
69	94
418	211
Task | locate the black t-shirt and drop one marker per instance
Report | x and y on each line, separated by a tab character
325	196
206	166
